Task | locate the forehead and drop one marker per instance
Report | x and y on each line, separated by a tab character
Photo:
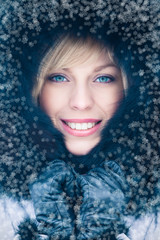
98	60
75	53
102	62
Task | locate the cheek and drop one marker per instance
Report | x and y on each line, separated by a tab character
51	101
108	101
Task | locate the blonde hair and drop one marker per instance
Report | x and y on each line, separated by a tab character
69	52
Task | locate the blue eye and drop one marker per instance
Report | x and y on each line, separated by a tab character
57	78
104	79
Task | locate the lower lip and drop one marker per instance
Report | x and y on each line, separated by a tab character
81	133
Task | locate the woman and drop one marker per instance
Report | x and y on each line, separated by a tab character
42	141
78	58
80	86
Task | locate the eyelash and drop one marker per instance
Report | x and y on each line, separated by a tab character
51	78
111	78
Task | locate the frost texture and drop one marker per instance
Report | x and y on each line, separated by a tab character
28	143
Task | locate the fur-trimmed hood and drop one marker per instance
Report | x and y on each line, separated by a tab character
28	138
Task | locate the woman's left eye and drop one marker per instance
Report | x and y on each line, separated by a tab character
58	78
104	79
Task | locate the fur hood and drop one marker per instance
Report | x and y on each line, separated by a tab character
29	140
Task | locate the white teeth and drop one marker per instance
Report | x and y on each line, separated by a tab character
80	126
90	125
72	125
84	126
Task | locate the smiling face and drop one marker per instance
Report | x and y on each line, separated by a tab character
81	99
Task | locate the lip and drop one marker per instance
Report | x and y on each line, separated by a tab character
86	120
81	133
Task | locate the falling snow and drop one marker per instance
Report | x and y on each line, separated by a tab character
27	138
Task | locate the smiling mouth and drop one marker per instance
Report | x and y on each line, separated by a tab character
81	126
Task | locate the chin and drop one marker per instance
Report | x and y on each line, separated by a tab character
81	147
77	152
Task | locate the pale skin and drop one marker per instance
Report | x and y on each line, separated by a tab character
91	90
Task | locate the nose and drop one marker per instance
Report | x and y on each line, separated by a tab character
81	98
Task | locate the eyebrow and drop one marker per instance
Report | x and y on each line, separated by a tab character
98	68
105	66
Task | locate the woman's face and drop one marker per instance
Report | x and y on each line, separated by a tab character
80	100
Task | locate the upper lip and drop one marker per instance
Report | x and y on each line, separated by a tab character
86	120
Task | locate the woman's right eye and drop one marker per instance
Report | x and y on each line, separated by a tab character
57	78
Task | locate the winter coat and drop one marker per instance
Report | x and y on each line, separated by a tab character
29	141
